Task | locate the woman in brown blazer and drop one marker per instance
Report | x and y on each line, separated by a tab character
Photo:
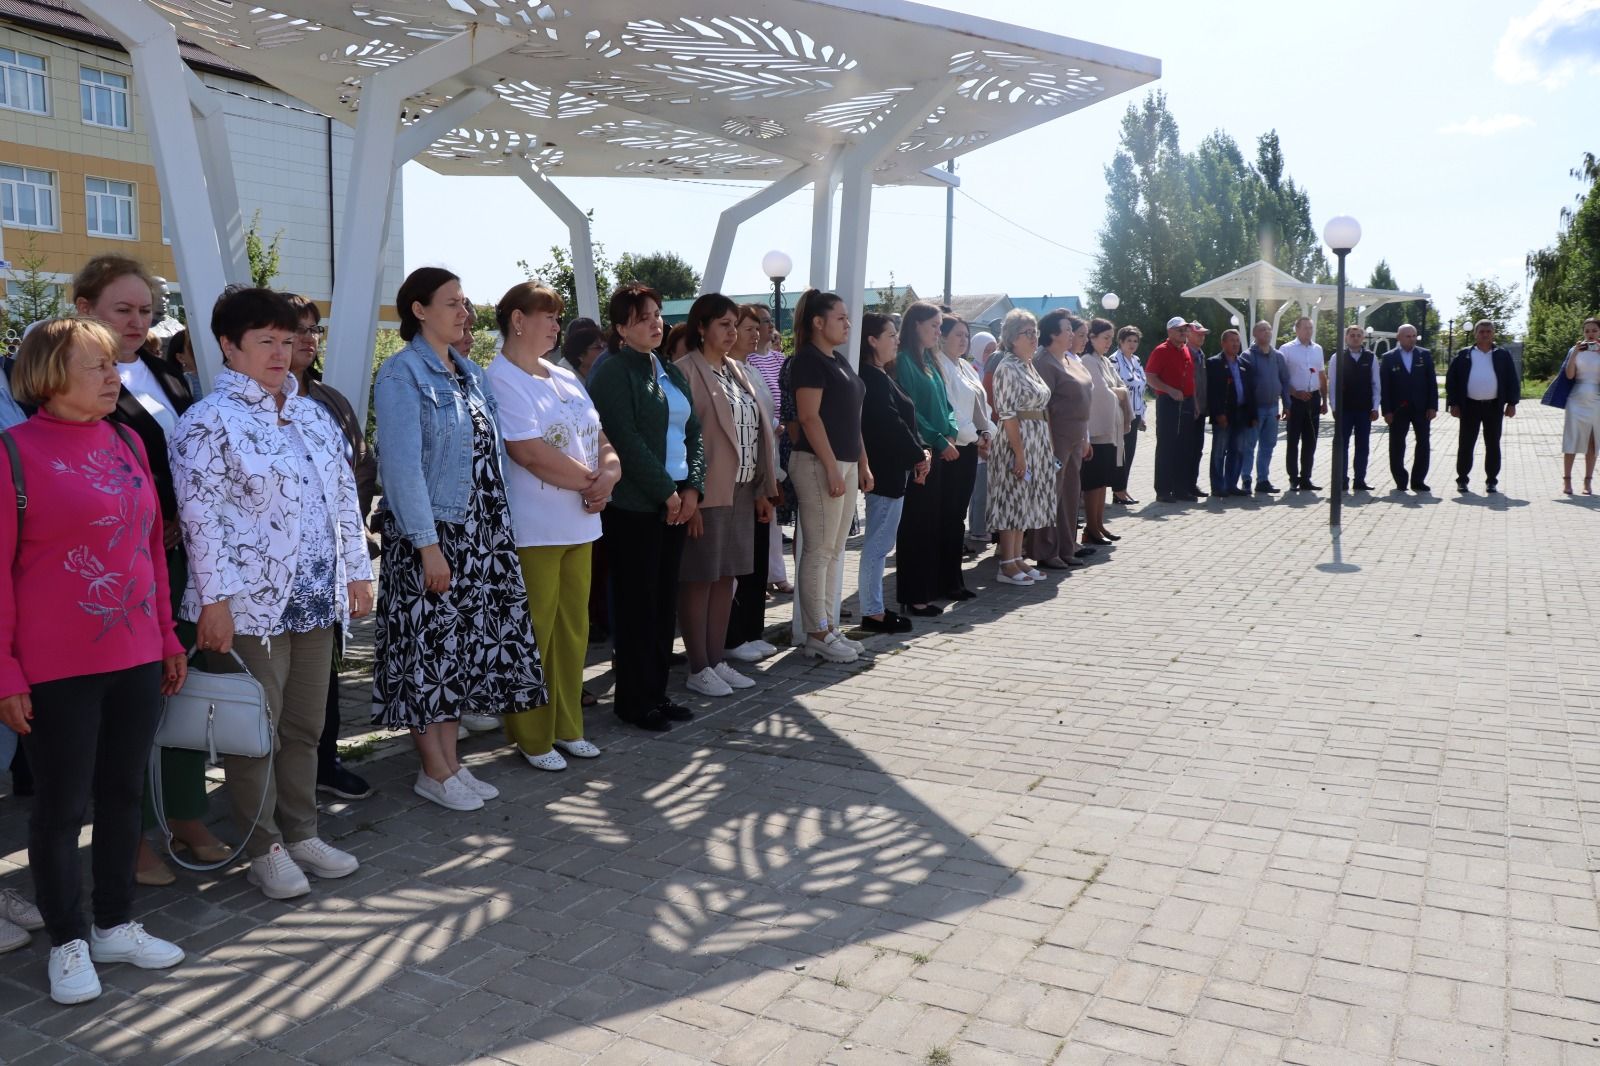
740	483
1061	336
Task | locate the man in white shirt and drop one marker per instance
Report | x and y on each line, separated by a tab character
1353	379
1308	392
1482	387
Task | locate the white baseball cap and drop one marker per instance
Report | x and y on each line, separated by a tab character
1177	322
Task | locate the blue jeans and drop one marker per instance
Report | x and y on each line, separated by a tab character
883	523
1230	450
8	748
1266	439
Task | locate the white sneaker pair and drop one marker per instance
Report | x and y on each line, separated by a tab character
718	680
463	792
281	872
751	651
71	967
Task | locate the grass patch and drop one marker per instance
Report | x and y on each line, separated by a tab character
919	957
360	748
938	1056
1533	388
1036	783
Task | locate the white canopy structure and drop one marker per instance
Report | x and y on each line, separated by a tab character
1262	282
828	94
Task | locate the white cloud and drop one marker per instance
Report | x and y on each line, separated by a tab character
1492	126
1551	44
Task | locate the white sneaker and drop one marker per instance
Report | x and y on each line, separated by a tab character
733	678
579	749
462	732
481	789
18	911
129	942
12	936
751	651
72	976
831	647
707	683
481	723
277	875
322	858
450	793
551	761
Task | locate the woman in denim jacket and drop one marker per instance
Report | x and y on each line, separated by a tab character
453	632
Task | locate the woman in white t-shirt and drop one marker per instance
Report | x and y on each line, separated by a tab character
558	482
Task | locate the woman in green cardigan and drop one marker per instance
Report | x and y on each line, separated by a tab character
916	369
648	416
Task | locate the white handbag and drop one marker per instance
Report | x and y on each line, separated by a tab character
219	714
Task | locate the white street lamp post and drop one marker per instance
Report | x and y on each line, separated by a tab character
1342	234
777	265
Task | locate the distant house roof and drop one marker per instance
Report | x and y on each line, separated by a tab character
981	307
62	19
675	311
1040	305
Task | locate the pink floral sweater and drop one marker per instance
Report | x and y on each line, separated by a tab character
86	589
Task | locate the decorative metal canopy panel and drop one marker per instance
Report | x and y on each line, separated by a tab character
677	88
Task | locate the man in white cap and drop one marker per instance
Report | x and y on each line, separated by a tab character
1171	376
1195	442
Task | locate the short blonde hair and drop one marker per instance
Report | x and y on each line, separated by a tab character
42	371
1016	321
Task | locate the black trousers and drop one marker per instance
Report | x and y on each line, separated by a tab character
916	545
1487	416
1416	421
1194	446
749	618
1300	453
955	493
1173	422
644	552
1130	441
1356	424
91	739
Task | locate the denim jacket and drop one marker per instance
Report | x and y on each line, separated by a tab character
425	438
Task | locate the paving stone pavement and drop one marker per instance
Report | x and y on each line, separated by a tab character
1227	796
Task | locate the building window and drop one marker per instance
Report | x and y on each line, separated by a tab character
109	206
27	197
104	97
22	82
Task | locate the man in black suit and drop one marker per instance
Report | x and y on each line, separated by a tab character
1230	389
1353	380
1482	388
1410	404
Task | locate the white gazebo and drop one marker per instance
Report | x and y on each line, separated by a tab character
835	95
1261	282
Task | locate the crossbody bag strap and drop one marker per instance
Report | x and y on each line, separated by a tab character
18	482
127	439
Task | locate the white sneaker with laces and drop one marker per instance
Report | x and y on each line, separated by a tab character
277	875
831	647
751	651
578	749
72	976
12	936
731	677
18	911
481	789
707	683
481	723
322	858
450	793
129	942
551	761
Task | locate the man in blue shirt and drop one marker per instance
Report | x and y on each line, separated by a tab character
1230	400
1271	401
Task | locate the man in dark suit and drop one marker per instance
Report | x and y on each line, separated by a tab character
1410	404
1353	381
1482	388
1230	387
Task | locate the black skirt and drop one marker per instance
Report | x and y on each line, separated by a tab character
1100	469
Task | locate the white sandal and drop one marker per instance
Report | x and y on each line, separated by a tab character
1022	578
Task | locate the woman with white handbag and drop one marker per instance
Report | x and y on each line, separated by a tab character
277	559
86	583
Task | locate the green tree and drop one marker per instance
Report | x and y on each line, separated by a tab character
557	273
36	295
263	256
666	272
1566	277
1492	299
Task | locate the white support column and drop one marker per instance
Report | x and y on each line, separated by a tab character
583	271
159	69
822	200
211	127
728	223
369	194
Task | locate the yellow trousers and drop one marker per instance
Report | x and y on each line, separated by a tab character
557	578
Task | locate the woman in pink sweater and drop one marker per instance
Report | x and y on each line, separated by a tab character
87	647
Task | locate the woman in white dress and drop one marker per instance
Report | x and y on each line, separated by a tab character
1583	406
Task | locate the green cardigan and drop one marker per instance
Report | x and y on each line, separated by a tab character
633	413
936	421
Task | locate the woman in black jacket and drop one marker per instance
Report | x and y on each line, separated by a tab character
897	455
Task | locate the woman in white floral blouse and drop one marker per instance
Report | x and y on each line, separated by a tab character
276	560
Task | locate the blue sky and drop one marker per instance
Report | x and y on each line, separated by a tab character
1447	131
